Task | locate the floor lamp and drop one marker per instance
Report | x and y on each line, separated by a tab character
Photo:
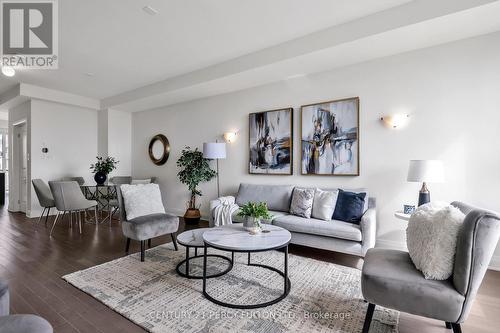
215	151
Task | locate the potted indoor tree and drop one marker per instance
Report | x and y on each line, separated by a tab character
102	168
254	212
194	169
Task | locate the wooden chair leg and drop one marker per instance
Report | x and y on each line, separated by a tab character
448	325
127	247
143	250
174	240
368	318
456	328
149	243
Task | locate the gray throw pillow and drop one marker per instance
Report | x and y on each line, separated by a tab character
324	204
302	201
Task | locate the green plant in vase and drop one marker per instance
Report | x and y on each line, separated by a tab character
254	212
102	168
194	169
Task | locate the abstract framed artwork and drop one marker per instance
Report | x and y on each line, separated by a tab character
271	142
330	138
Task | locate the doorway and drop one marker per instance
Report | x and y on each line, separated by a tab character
19	172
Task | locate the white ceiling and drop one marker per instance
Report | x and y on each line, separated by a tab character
197	48
126	48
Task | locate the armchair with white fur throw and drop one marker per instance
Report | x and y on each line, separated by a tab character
391	279
143	216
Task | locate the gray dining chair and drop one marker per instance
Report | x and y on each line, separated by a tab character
144	228
45	198
113	203
68	197
389	277
79	180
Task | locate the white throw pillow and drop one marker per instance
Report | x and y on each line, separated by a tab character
431	238
140	181
324	204
142	199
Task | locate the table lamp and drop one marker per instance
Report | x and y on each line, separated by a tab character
215	151
425	171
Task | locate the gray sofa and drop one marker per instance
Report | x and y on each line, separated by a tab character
332	235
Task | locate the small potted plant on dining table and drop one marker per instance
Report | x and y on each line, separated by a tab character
102	168
254	213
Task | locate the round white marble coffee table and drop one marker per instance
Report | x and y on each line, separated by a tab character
194	239
235	238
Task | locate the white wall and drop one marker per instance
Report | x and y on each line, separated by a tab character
70	134
120	140
450	90
115	139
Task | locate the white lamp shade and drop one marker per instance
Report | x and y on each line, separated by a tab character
214	150
431	171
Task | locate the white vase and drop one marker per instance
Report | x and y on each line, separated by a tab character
252	224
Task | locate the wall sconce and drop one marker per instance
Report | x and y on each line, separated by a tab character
396	120
230	137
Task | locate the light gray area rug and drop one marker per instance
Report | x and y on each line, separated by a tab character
324	297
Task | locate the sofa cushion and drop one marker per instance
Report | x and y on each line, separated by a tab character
354	190
150	226
349	207
277	197
141	200
324	204
241	219
390	279
337	229
302	202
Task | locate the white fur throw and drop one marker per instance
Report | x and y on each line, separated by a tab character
431	238
141	199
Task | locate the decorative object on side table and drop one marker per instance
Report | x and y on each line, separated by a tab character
408	209
215	151
194	170
253	212
271	142
330	138
425	171
102	168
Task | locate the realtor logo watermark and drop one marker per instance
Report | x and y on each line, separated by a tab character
29	34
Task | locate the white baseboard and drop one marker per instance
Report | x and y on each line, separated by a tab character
388	244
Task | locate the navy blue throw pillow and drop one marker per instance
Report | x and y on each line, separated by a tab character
349	207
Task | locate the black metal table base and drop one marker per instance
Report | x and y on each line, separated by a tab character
284	274
188	259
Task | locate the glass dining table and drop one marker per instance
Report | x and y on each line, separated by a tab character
104	195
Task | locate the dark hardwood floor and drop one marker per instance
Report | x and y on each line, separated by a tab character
33	264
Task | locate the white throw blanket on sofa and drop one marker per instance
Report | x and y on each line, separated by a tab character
223	212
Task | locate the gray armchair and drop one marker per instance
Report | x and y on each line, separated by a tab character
144	228
45	198
19	323
390	279
68	197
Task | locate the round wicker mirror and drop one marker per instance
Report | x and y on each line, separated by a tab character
159	149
